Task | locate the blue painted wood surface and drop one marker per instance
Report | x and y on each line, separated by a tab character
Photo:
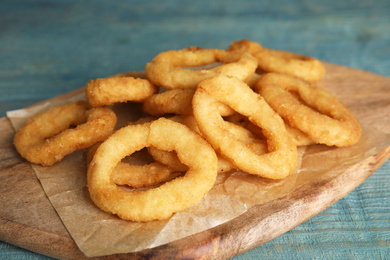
51	47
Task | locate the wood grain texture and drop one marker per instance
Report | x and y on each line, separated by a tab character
28	220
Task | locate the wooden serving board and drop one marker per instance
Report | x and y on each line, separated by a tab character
28	220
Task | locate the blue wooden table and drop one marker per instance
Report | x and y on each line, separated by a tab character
52	47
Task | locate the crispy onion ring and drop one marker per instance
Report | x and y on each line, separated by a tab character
252	79
245	45
134	74
136	176
46	138
300	66
168	70
224	165
282	156
170	197
269	60
176	101
171	160
119	88
168	158
298	137
316	112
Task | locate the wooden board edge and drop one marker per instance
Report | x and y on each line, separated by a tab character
39	241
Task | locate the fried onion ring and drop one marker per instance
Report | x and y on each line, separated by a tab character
307	68
282	156
119	88
163	201
269	60
167	69
46	138
317	112
224	165
299	138
168	158
136	176
176	101
252	79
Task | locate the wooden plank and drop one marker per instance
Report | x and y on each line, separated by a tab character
28	220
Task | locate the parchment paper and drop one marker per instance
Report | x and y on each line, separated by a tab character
98	233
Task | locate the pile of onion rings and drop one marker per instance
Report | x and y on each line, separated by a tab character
205	111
